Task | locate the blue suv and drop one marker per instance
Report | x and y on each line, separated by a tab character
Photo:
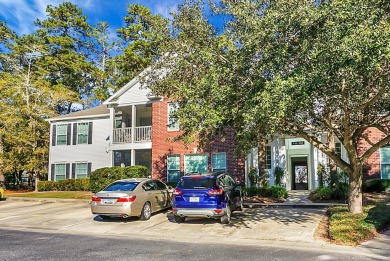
210	195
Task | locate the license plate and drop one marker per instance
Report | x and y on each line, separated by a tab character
108	201
194	199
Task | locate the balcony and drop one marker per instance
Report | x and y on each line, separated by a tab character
124	135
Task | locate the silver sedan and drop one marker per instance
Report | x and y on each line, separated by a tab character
132	197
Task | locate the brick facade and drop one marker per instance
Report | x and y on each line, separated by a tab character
371	168
162	145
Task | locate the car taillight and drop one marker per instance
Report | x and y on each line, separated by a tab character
127	199
96	199
177	192
218	211
214	192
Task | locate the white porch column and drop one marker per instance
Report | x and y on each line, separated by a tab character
111	140
133	123
133	157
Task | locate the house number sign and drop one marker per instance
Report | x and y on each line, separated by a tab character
298	143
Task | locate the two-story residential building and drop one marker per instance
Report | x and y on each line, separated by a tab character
134	127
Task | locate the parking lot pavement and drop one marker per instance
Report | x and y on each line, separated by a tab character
297	225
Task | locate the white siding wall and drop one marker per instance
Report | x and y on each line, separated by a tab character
134	95
95	153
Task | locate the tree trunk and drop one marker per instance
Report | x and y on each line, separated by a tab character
355	198
262	171
334	179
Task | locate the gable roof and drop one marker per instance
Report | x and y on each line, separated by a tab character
94	112
132	93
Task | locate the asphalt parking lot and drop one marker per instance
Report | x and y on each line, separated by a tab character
271	224
282	227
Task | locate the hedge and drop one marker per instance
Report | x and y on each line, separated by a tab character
101	178
376	185
47	185
274	191
65	185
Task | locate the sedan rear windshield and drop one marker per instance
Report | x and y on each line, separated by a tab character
196	183
122	186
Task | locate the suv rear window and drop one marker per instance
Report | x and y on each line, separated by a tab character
197	183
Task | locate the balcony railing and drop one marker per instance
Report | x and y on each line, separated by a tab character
143	134
123	135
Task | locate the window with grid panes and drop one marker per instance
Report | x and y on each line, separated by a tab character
337	148
385	162
218	162
81	170
195	163
82	133
268	154
173	167
61	134
60	171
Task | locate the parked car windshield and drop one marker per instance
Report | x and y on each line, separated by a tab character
196	183
122	186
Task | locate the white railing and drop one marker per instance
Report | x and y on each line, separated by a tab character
143	134
123	135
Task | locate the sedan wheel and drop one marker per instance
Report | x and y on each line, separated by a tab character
225	219
146	212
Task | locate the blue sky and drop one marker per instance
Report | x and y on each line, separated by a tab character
21	14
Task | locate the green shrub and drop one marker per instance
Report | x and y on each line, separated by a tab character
324	193
47	185
279	175
250	192
275	192
101	178
376	185
278	192
66	185
339	192
81	184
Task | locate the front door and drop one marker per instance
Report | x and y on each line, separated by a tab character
300	173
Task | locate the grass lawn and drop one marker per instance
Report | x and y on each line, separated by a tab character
347	229
51	194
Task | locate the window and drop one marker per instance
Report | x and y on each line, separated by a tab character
81	170
173	123
122	157
62	134
82	133
160	185
268	164
385	162
195	163
60	171
218	162
337	148
173	167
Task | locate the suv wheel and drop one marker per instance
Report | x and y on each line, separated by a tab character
179	219
225	219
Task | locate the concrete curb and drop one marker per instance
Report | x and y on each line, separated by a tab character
57	200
